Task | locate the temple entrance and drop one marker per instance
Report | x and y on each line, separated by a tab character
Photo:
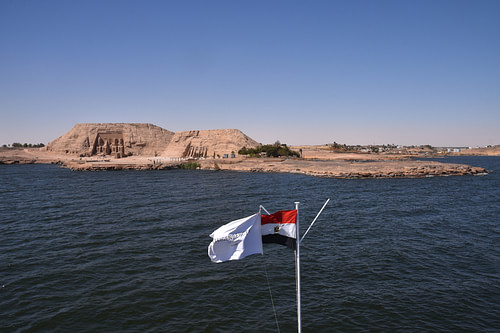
109	143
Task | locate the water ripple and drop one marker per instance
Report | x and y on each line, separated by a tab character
126	251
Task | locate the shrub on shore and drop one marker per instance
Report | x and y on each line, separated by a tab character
190	165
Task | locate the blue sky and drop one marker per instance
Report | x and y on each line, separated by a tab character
302	72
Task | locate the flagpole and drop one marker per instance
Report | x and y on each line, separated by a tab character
297	269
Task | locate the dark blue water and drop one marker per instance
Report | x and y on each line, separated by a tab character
127	252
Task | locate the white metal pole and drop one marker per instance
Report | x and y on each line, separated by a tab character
264	208
297	268
304	235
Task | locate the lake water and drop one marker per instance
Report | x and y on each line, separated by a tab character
126	251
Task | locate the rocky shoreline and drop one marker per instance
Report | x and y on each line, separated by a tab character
347	168
337	169
113	166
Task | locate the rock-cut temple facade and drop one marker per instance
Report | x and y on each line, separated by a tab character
120	140
109	143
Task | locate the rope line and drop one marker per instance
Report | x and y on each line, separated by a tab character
272	300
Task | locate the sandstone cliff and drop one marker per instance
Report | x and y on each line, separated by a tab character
121	140
208	143
116	139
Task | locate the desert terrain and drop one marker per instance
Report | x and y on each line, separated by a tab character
144	146
316	163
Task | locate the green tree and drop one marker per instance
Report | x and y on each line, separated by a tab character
275	150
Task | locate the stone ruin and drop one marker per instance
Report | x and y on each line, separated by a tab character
122	139
112	139
109	143
221	143
195	152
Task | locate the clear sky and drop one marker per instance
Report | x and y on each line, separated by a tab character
301	72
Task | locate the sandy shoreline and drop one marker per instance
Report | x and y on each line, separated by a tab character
336	166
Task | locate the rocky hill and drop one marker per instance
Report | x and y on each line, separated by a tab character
208	143
121	140
114	139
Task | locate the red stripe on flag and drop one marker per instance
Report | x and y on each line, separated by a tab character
283	216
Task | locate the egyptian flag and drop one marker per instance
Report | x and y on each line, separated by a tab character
280	228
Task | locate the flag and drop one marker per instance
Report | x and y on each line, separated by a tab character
236	240
280	228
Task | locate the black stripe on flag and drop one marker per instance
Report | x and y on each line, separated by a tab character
280	239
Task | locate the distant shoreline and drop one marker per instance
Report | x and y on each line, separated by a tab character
338	165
